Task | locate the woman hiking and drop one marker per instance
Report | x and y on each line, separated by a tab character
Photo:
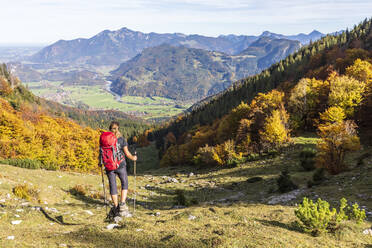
122	145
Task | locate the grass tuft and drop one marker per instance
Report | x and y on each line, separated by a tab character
25	192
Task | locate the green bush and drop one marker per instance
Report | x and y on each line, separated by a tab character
317	218
318	177
252	157
357	214
50	166
307	159
29	163
181	199
285	184
23	163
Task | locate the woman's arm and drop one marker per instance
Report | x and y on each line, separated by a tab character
128	154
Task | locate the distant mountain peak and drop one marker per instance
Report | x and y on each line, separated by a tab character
125	30
315	32
267	33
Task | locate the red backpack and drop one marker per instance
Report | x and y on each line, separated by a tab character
110	155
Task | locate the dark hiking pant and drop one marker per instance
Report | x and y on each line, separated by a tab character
111	175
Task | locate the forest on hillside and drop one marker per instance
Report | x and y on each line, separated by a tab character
37	133
325	88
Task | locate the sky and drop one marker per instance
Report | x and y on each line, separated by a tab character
47	21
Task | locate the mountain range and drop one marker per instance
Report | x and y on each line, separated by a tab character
184	73
115	47
27	73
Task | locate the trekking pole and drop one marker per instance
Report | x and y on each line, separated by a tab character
104	190
135	192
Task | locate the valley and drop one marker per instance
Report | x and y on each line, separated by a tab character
98	97
188	68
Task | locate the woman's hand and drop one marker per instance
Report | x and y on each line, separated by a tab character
129	155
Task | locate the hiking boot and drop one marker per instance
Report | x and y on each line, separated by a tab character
123	209
113	213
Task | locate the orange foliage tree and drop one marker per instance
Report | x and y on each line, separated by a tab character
56	142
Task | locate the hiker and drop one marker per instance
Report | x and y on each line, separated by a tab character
122	145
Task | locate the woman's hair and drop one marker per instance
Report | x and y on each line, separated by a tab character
114	123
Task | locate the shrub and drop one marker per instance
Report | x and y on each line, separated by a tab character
85	191
181	199
29	163
97	195
285	184
79	190
222	155
317	218
227	154
207	155
318	177
307	159
23	163
252	157
357	214
23	191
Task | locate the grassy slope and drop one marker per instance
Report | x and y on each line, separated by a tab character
221	221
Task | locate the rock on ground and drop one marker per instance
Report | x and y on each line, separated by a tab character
111	226
368	232
283	198
16	222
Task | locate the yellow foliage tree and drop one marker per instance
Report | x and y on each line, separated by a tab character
243	138
337	139
333	114
307	99
360	70
228	126
56	142
275	131
347	93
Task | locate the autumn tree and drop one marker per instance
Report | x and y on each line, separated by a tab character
360	70
275	131
337	139
307	99
347	93
5	88
243	138
332	115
